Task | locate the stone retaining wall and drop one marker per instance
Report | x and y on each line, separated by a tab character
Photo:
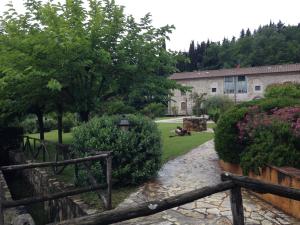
13	216
285	176
43	183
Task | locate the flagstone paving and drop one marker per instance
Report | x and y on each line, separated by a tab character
197	169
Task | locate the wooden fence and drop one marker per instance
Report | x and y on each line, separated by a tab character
35	147
229	182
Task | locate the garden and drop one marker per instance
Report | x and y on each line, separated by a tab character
262	132
156	148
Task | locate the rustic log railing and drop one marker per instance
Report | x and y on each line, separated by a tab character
106	196
230	182
53	151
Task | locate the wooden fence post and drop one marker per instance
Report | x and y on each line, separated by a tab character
236	202
108	180
1	207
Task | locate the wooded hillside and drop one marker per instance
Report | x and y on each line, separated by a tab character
268	45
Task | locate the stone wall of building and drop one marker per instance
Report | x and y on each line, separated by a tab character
205	85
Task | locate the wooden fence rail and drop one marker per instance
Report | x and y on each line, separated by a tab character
148	208
106	197
32	200
232	183
59	163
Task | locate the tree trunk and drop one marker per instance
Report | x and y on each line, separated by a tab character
84	116
60	124
41	124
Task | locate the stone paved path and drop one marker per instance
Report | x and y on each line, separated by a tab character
196	169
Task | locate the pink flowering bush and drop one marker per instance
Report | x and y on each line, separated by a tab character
260	133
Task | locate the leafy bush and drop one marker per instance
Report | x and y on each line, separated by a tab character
29	126
272	144
154	110
260	132
69	121
174	110
136	152
49	124
288	89
198	100
216	105
115	108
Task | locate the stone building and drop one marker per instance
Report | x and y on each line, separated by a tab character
240	84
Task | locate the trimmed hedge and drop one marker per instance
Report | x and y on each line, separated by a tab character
254	134
136	152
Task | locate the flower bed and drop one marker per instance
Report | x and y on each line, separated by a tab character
260	133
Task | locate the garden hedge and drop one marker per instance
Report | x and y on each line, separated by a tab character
136	152
260	132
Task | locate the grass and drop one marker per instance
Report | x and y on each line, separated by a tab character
172	147
211	125
176	146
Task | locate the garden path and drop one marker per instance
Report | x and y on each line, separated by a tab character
196	169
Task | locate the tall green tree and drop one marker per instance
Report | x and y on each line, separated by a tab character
61	57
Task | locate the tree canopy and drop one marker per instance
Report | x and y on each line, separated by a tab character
60	57
268	45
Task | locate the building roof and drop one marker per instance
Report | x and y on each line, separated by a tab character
237	71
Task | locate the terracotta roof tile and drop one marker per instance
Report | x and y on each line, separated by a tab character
237	71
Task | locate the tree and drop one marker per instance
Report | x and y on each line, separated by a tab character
242	35
192	56
269	44
63	57
198	100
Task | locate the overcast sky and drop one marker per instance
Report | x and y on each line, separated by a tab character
200	20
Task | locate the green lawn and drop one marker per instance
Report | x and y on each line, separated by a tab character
172	147
176	146
211	125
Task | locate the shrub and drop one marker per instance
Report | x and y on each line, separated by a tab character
154	110
69	121
174	110
273	144
226	135
198	100
116	107
136	152
49	124
288	89
29	126
260	132
216	105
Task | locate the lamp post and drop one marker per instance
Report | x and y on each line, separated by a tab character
124	124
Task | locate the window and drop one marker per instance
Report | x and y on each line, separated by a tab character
257	88
241	84
236	84
228	85
183	106
214	90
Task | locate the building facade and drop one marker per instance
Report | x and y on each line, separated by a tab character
240	84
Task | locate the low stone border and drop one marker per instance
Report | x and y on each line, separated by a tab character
285	176
43	183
